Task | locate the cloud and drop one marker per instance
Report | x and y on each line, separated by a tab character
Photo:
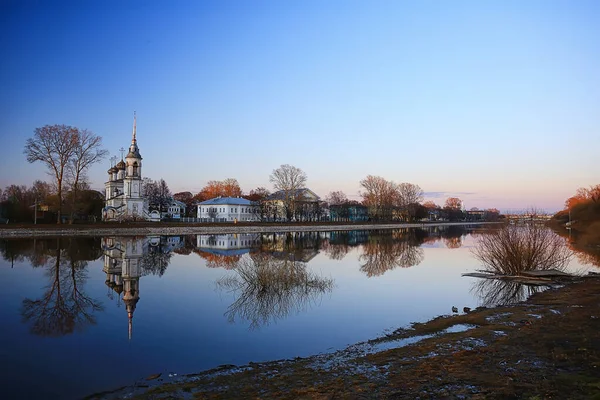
437	195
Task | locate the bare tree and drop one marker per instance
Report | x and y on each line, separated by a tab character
288	179
231	188
164	194
452	208
260	207
53	145
88	151
515	249
157	193
336	198
40	190
410	196
453	203
380	196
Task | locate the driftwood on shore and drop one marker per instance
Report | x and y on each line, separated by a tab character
549	277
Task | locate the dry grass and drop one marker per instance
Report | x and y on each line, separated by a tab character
548	347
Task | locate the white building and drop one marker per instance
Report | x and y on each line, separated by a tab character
123	190
175	209
227	209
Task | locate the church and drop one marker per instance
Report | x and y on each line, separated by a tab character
124	199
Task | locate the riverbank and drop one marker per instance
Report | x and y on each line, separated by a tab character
546	347
148	229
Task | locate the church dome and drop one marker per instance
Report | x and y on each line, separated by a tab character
112	170
121	164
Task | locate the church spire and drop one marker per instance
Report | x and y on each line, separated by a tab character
133	140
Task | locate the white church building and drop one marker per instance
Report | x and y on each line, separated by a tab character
123	190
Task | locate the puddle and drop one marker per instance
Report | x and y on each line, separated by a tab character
396	344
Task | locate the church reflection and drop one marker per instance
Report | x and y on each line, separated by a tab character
126	259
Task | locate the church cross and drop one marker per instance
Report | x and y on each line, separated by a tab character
121	150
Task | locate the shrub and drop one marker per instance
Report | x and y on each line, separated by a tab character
518	248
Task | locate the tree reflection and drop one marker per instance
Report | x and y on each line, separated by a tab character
452	236
493	292
65	307
156	256
214	260
388	250
269	289
341	242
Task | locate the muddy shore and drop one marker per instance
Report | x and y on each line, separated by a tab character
545	348
141	229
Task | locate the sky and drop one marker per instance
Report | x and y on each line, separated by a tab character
494	102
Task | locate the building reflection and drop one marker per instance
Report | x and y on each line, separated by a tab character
297	246
126	259
225	251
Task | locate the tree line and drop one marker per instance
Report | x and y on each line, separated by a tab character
69	152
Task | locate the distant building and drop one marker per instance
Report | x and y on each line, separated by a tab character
304	205
348	212
227	209
175	209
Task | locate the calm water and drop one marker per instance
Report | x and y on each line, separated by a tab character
81	315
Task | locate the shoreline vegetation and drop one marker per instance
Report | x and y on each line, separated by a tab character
138	229
545	347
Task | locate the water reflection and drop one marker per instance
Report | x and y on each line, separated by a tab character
493	292
64	306
271	277
225	251
126	259
384	251
269	288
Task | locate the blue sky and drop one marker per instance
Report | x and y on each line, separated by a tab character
493	101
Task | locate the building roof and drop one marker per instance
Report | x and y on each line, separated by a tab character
178	203
300	194
236	201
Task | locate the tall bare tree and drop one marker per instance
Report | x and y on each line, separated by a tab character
336	198
410	196
53	145
288	179
88	151
157	193
380	196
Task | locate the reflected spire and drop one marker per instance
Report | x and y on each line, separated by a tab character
130	318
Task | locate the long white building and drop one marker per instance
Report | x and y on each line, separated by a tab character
227	209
